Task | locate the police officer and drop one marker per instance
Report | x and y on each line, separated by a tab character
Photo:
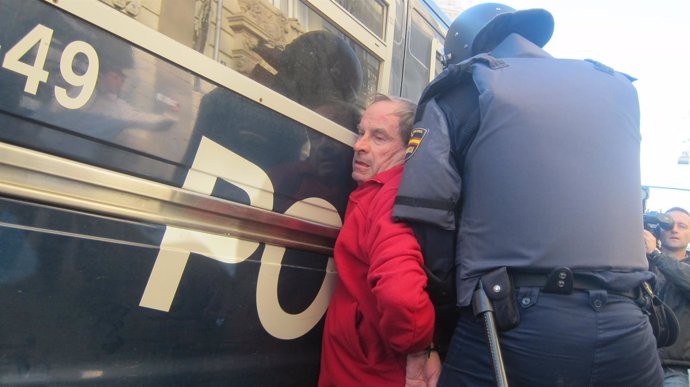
533	163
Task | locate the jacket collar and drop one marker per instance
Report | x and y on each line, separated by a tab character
517	46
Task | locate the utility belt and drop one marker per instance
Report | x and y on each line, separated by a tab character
500	285
564	281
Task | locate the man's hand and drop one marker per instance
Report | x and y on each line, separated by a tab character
423	369
649	242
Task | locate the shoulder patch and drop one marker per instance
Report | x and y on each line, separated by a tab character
416	138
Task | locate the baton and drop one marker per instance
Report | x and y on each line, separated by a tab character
481	305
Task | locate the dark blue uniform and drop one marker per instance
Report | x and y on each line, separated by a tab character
551	179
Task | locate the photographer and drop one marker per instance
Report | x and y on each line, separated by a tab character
672	267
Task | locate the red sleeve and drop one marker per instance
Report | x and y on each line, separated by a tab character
397	279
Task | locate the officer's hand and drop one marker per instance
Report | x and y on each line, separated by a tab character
649	242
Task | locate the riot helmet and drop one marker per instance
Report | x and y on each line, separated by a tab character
482	27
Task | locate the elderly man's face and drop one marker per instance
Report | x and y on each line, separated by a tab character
379	146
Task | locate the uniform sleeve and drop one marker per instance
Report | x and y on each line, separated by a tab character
430	188
398	281
676	272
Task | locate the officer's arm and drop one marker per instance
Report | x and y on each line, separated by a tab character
430	187
438	250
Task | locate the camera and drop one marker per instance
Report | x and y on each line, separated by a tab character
654	222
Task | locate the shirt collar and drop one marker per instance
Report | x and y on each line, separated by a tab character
385	176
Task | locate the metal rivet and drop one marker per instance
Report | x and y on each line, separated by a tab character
562	275
561	284
525	301
497	288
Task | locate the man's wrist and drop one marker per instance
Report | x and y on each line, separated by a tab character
430	349
426	352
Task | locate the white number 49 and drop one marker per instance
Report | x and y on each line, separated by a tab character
35	73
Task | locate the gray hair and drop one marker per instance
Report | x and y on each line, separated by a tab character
405	111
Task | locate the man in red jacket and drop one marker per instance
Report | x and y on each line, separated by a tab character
380	321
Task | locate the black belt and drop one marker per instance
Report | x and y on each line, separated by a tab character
563	281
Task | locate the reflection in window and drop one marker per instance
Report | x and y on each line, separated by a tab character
282	44
418	57
439	63
370	12
398	46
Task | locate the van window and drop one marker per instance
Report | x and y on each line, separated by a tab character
282	44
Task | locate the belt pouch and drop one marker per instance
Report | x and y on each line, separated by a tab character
500	290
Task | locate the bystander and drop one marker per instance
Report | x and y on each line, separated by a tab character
672	267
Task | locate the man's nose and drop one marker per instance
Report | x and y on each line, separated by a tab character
361	145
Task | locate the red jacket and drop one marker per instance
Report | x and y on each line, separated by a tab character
379	311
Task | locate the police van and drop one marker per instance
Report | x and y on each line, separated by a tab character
173	175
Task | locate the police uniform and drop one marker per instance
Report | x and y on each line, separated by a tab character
550	179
